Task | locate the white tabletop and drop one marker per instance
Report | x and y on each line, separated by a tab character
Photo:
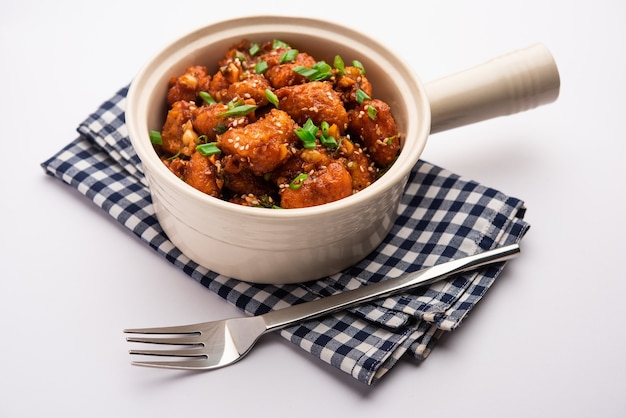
547	340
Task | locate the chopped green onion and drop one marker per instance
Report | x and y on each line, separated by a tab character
305	71
235	102
297	182
155	137
206	97
266	201
318	72
329	141
361	96
271	97
325	138
260	67
240	56
310	126
220	128
279	44
324	70
358	65
238	110
173	157
201	139
371	112
308	141
324	126
254	49
307	134
208	149
339	65
288	56
389	140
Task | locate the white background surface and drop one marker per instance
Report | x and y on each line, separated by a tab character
547	341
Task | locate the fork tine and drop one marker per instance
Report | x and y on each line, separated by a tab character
190	340
178	329
183	364
193	352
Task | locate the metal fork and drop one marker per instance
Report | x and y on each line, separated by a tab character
211	345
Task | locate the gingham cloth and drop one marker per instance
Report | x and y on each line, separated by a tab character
441	217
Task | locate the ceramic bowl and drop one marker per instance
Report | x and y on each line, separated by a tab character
290	245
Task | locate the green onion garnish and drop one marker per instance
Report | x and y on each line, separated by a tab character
308	141
307	134
361	96
390	139
329	141
235	102
324	126
339	65
297	182
173	157
254	49
305	71
155	137
325	138
208	149
310	127
238	110
271	97
220	128
206	97
260	67
358	65
371	112
288	56
318	72
240	56
279	44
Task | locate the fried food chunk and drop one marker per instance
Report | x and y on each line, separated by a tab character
245	184
302	161
201	174
315	100
187	86
208	121
281	74
252	87
198	171
349	82
177	133
218	86
362	170
324	185
377	130
262	146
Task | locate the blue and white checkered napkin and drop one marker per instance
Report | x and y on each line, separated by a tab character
441	217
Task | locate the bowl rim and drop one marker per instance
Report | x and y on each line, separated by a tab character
411	148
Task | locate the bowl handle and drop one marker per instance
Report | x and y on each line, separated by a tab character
512	83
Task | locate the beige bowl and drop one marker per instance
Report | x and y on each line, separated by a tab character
292	245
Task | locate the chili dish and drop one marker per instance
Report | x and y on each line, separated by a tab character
275	128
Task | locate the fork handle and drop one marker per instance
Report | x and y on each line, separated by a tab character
297	313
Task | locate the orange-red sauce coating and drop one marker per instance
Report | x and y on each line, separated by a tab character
257	156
